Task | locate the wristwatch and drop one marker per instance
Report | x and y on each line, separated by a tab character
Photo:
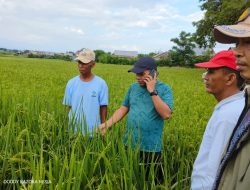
154	93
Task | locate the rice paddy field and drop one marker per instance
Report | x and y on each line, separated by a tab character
39	151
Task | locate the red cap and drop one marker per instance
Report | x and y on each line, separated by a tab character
223	58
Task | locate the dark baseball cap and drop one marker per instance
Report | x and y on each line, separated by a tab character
143	64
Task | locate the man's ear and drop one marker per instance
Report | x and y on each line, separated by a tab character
231	78
93	64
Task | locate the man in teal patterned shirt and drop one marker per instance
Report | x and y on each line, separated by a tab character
148	103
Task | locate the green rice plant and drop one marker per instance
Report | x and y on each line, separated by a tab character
39	150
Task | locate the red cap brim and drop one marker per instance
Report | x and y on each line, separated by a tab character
207	65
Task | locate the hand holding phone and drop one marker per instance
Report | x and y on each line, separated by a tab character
153	73
151	81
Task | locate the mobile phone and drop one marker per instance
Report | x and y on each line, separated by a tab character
153	73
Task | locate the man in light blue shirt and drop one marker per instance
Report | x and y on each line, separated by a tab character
224	82
86	95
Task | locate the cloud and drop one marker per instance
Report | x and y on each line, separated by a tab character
121	47
134	18
75	30
194	17
113	23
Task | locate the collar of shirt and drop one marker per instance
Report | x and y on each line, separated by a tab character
229	99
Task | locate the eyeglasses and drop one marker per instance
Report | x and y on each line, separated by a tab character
244	15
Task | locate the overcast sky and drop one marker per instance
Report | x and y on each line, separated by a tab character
60	25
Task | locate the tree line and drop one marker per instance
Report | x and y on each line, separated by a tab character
183	58
55	56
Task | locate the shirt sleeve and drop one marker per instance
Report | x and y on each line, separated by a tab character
167	97
103	97
67	96
126	101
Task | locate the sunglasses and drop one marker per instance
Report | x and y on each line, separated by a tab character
244	15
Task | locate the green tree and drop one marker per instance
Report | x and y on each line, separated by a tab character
182	53
152	54
140	55
105	58
217	12
98	53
